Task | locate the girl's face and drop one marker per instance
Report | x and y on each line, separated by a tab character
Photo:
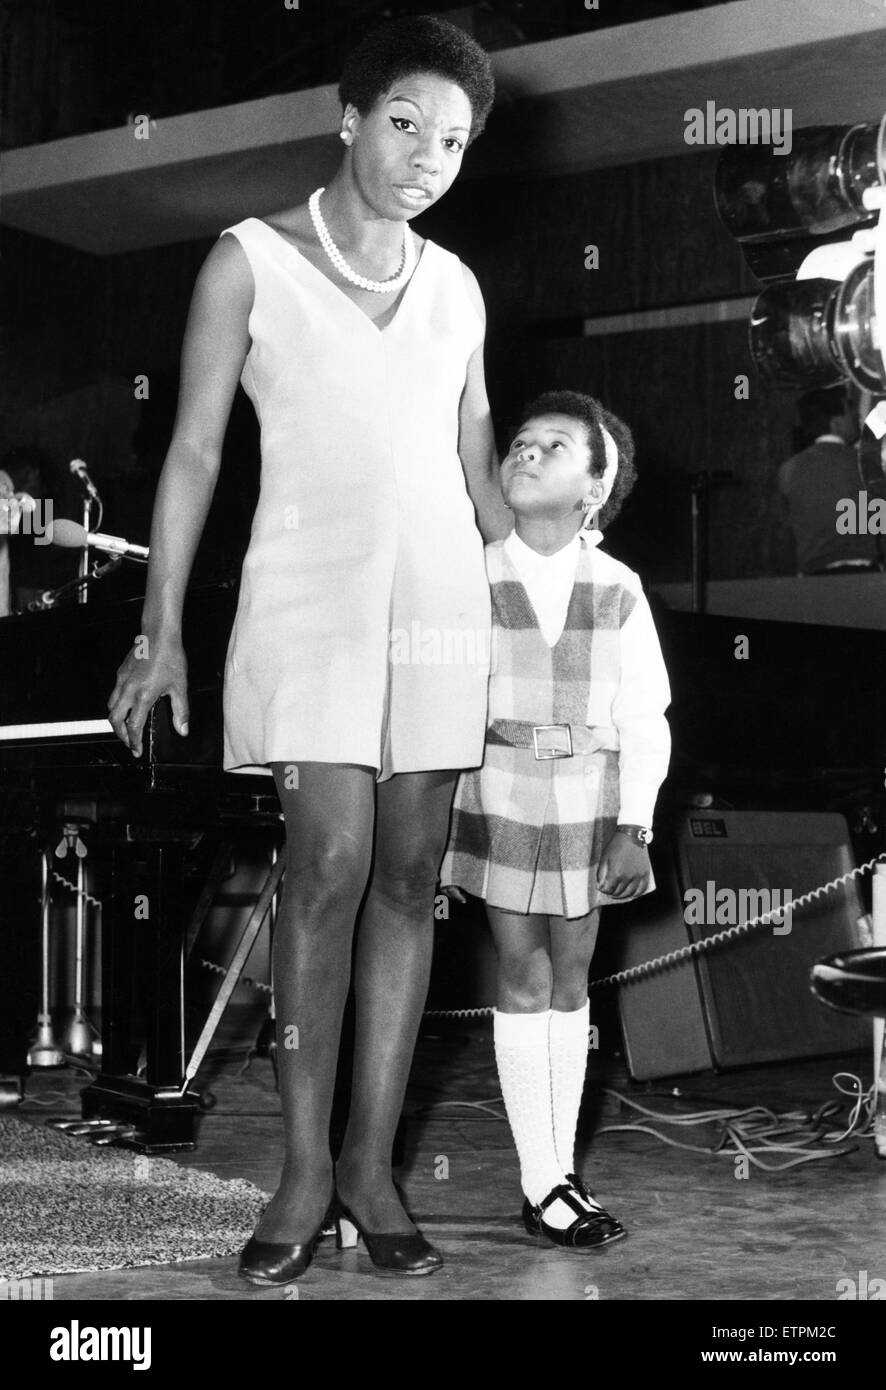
545	472
407	150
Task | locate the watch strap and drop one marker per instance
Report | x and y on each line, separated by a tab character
640	834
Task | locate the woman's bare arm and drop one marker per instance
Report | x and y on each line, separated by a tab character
476	441
215	347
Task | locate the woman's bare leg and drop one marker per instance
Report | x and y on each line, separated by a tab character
328	811
392	971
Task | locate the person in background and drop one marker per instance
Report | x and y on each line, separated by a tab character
25	567
815	481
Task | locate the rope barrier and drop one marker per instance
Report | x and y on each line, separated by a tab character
632	973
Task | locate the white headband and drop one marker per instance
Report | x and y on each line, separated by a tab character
609	472
606	479
611	451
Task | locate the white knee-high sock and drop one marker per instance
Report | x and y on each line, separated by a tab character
568	1040
524	1070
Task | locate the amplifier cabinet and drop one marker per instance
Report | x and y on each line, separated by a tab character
749	1000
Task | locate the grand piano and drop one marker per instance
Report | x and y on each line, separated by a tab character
152	828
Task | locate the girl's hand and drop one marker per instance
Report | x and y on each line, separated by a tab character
454	893
624	870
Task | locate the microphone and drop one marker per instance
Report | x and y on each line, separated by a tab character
72	534
78	468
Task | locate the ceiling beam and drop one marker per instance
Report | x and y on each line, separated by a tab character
609	97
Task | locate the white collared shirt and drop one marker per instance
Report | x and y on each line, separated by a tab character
548	579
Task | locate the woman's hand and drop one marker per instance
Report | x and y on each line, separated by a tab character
153	668
624	869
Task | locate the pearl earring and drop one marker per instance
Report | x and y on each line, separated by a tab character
343	135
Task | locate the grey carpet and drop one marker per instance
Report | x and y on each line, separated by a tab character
66	1207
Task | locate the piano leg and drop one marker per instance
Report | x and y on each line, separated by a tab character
164	1002
20	968
143	939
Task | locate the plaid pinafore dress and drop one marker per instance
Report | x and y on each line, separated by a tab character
527	835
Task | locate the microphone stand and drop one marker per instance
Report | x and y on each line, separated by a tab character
701	481
83	566
698	491
50	597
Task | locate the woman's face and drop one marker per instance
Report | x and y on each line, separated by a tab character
408	149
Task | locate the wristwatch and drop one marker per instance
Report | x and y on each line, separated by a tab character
641	834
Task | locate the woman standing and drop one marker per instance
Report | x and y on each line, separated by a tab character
361	348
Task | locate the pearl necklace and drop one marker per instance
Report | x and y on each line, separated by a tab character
407	264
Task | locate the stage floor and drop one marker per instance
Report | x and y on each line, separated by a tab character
696	1230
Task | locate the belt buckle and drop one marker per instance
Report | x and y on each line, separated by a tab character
564	750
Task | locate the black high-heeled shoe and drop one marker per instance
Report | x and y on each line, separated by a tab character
589	1229
271	1262
399	1252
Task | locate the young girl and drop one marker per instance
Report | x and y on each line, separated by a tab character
555	823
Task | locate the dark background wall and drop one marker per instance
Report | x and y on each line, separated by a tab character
661	246
79	328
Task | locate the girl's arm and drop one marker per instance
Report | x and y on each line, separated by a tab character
638	712
215	347
476	442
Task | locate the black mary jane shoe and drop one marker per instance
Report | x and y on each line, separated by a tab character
589	1229
582	1189
618	1230
268	1263
401	1252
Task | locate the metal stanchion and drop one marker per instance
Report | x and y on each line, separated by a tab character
80	1039
44	1050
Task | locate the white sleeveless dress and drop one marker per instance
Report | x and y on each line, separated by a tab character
362	627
